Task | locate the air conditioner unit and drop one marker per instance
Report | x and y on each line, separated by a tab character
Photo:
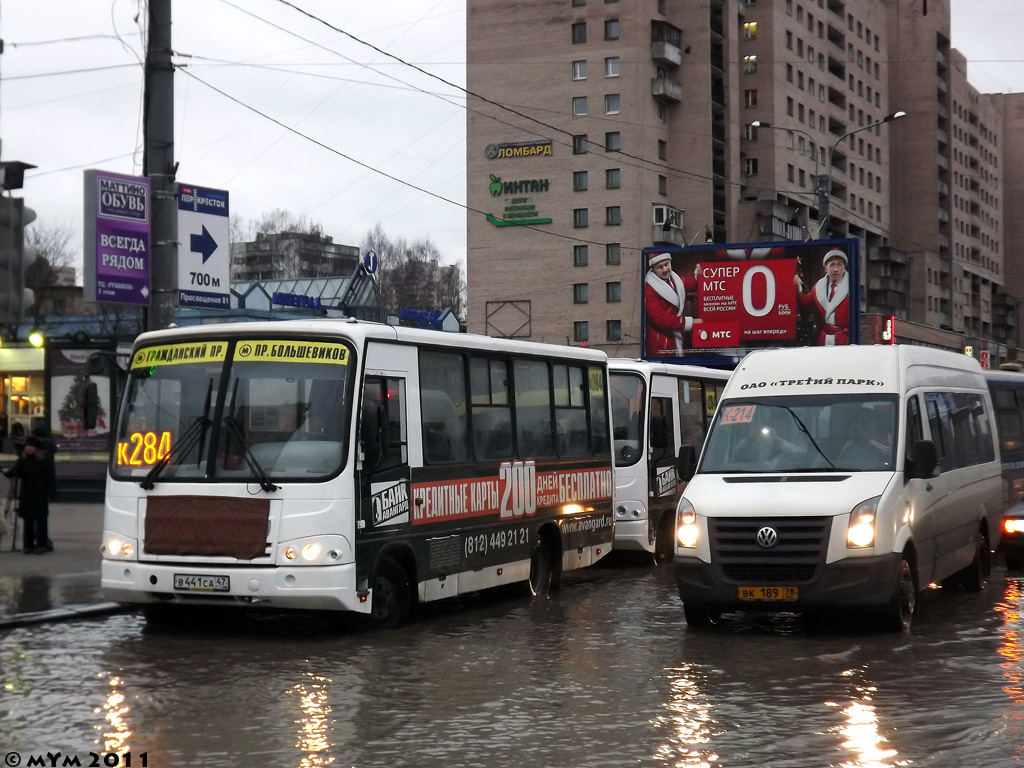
666	213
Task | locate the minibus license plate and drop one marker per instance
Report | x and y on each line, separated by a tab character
768	593
199	583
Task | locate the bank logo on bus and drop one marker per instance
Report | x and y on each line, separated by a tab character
389	503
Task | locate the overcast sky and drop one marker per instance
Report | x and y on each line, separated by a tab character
71	99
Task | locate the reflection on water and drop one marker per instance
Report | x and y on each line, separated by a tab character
315	723
690	722
860	732
1012	647
115	728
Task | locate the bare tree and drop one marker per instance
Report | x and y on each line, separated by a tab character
279	220
411	275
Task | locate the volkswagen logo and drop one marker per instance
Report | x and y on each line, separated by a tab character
767	537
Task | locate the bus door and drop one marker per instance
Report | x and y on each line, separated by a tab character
663	447
384	494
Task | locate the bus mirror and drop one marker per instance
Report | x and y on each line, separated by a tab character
686	463
659	436
926	459
91	406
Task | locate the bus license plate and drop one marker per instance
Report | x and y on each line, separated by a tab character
768	593
200	583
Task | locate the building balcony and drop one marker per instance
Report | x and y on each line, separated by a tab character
666	54
666	90
671	236
895	284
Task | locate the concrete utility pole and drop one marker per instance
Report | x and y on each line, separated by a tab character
159	166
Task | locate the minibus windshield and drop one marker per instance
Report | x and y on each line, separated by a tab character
803	434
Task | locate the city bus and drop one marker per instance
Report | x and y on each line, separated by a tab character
341	465
657	409
1007	390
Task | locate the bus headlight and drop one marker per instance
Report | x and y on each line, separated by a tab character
861	532
686	525
119	547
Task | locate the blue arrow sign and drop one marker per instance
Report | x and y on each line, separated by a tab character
204	244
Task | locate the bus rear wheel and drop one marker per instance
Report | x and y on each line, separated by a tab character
542	570
392	595
665	540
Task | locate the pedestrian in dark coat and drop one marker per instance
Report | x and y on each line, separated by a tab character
35	474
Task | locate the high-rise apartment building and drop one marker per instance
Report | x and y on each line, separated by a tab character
598	128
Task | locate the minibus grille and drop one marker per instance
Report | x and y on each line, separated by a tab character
794	555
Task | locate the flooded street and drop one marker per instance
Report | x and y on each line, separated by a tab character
605	673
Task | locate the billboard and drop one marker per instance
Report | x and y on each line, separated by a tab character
711	304
116	245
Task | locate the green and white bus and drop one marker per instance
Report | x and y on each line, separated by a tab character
341	465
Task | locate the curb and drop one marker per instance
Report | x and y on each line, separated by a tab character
63	614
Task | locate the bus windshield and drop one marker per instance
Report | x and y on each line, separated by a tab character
628	399
803	434
252	410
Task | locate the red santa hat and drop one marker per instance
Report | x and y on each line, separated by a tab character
657	258
835	253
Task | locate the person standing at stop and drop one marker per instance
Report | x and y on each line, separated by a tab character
35	476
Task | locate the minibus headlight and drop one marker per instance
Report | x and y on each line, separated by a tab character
686	525
861	531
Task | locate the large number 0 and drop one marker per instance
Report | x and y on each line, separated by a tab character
769	293
518	488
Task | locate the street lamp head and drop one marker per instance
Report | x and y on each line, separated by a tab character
894	116
761	124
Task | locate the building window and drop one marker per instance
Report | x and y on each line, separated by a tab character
662	149
613	141
580	330
578	3
750	30
611	104
579	32
579	181
579	144
611	66
613	329
613	253
580	255
612	178
750	166
579	106
750	64
580	218
611	29
580	293
791	174
613	215
750	97
579	70
662	112
662	185
613	292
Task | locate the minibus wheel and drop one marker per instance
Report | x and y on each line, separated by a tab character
1014	561
392	595
699	616
897	615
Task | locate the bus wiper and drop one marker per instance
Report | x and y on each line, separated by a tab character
254	465
181	447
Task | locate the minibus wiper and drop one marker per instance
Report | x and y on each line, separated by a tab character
254	465
181	447
803	428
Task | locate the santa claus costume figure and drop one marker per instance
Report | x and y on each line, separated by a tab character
665	298
830	300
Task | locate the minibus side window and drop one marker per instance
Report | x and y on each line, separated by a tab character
941	430
915	432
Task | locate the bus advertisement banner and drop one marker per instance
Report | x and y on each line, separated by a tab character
710	305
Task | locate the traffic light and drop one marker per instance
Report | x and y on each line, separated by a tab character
15	258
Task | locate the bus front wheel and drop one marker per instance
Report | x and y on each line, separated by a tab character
665	540
392	595
700	616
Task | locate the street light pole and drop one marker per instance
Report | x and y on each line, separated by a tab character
824	183
766	124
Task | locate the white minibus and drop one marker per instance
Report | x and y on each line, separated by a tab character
841	477
657	408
